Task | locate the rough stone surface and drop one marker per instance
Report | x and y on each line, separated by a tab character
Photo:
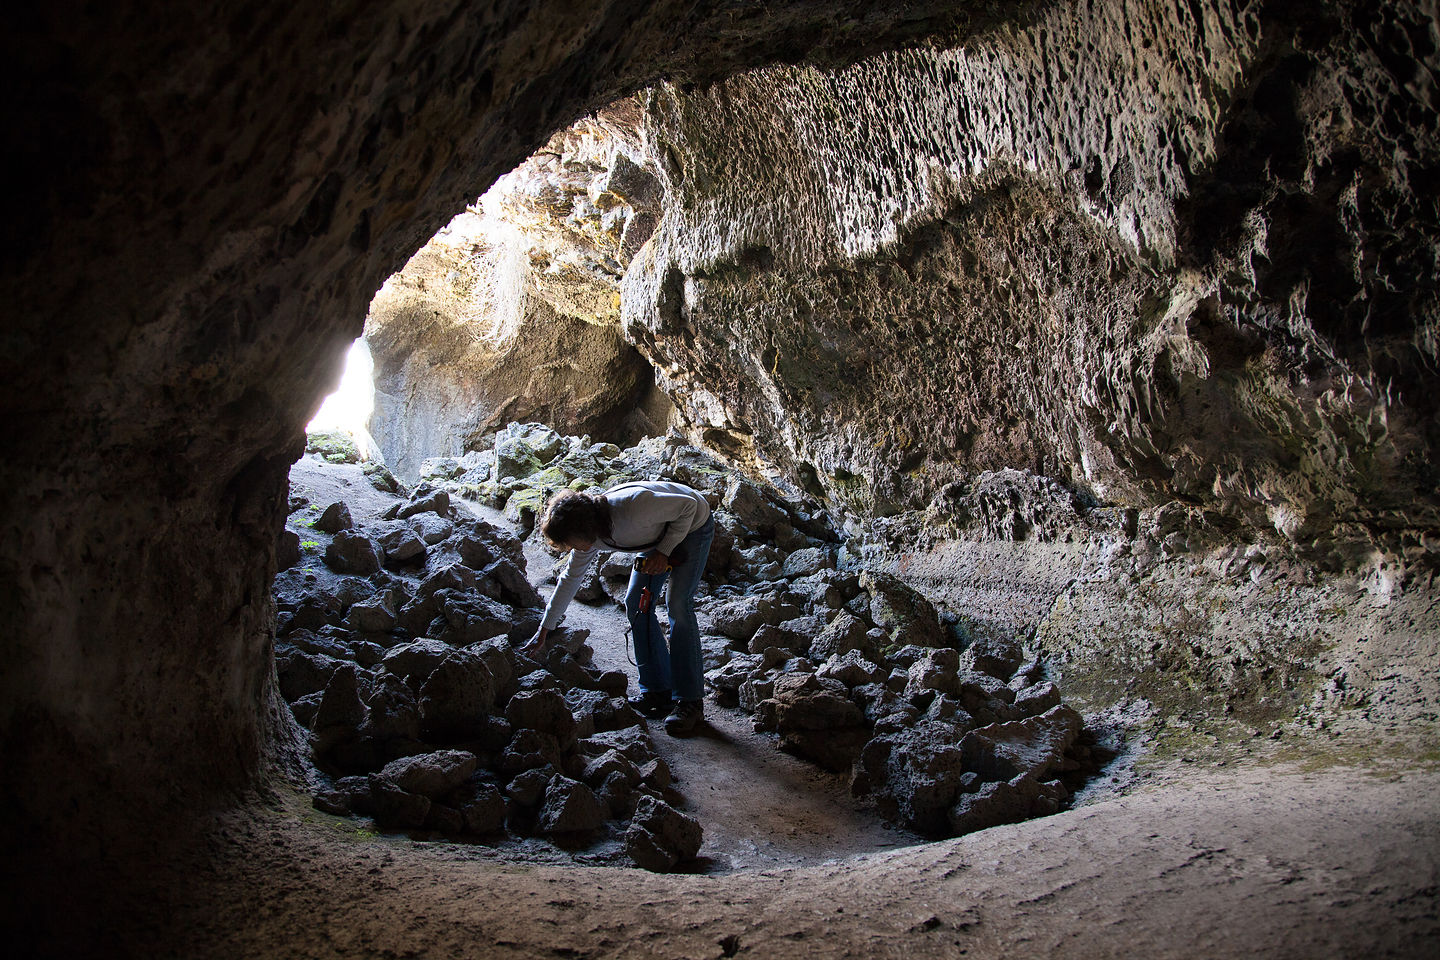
569	807
660	836
430	774
1024	284
459	334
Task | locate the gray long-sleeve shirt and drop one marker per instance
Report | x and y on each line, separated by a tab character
650	515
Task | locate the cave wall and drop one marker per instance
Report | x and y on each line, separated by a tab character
464	343
1114	330
213	195
1158	251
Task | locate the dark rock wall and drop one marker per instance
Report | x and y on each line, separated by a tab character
211	195
1160	251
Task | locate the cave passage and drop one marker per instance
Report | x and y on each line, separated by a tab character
349	406
1061	376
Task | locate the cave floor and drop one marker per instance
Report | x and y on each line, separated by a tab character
1222	862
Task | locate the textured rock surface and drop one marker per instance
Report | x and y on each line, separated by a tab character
1155	251
512	311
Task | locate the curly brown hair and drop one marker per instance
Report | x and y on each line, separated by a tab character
574	516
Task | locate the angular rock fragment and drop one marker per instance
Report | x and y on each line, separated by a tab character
335	518
529	749
1003	802
456	698
397	807
1037	699
542	710
415	661
303	673
373	615
659	836
430	774
904	614
287	550
842	634
400	545
569	806
353	552
527	788
392	713
851	669
915	774
425	501
481	806
430	528
1033	747
340	712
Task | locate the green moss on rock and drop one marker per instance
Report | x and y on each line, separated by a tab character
333	445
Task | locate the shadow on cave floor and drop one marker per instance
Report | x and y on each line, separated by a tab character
761	808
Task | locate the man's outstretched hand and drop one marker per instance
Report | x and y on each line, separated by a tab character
535	647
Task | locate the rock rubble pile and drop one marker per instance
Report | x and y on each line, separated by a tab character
857	672
849	668
400	656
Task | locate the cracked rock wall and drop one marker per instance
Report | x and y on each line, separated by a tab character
1113	330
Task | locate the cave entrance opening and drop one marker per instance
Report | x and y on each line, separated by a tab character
346	410
512	313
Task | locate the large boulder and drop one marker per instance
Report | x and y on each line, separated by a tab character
816	719
475	619
425	499
376	614
415	661
430	774
392	713
906	616
430	528
807	562
481	806
1005	802
506	582
335	518
569	807
401	545
525	448
456	697
915	774
302	673
353	552
542	710
1033	747
844	633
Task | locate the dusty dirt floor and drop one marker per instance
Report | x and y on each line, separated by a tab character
1267	859
1245	862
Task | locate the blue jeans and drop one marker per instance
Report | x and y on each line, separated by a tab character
676	667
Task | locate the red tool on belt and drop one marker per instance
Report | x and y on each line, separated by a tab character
645	596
